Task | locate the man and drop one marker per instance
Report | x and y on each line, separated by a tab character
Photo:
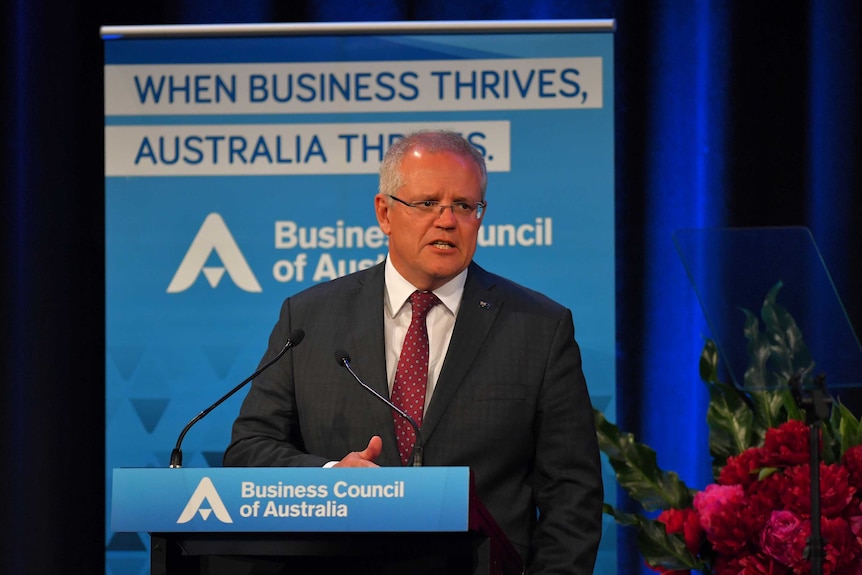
505	392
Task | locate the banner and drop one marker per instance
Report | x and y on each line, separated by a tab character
241	167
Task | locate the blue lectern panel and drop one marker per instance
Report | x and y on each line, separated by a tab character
291	499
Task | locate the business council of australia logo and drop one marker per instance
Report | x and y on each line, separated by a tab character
214	236
205	501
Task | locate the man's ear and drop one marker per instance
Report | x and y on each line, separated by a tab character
381	209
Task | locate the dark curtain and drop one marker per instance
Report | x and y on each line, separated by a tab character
734	113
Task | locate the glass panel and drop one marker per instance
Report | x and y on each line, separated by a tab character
734	269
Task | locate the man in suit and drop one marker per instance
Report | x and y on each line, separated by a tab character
505	392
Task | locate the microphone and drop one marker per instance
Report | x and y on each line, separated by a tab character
343	359
293	340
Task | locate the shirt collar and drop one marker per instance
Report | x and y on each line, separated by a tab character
399	289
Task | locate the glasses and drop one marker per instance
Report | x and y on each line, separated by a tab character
464	210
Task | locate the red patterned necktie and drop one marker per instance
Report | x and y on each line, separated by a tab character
411	375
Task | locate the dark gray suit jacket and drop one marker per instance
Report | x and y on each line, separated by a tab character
510	402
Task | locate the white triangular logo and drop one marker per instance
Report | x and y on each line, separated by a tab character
213	275
214	236
205	491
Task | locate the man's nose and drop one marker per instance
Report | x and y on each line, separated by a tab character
446	216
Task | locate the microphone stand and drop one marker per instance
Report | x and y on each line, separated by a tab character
343	360
816	406
177	453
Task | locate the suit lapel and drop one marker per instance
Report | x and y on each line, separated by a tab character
476	315
363	333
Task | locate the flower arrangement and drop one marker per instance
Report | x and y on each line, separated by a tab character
756	517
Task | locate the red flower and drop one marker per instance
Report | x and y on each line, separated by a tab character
840	548
755	520
749	564
852	461
786	445
759	564
835	490
741	469
664	571
854	513
764	497
684	521
727	565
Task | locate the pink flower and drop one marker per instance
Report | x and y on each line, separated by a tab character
722	513
784	537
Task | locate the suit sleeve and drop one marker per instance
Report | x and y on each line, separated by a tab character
567	482
267	432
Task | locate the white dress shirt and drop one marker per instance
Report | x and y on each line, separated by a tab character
397	313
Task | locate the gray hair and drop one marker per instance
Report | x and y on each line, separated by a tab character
432	141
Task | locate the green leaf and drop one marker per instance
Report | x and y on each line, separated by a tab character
758	353
766	472
730	421
637	471
729	415
845	426
778	352
770	410
789	354
656	546
709	362
791	408
830	451
621	517
669	551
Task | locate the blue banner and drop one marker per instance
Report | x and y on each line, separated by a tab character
241	170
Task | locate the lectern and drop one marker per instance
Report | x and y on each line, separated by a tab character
261	521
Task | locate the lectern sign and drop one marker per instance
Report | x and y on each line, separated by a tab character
291	499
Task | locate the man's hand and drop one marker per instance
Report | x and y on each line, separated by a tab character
364	458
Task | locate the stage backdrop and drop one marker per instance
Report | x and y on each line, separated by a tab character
240	168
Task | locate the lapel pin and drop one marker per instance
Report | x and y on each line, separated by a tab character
484	305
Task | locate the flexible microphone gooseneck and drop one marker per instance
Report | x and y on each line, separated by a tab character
343	359
293	340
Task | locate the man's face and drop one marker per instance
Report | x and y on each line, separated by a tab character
430	249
